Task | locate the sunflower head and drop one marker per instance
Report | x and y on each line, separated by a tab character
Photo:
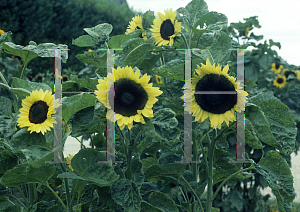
37	110
298	74
158	79
276	68
286	73
136	23
134	96
280	81
65	78
217	107
1	32
165	28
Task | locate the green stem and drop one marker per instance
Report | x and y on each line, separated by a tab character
67	189
81	143
22	193
31	193
228	178
23	70
210	171
184	196
3	79
129	158
25	191
5	144
185	41
17	200
59	199
195	158
193	192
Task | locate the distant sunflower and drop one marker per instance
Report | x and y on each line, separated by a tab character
1	32
276	68
218	107
298	74
65	78
280	81
158	79
286	73
37	111
136	23
165	28
133	96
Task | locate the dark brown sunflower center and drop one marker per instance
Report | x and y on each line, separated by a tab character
287	73
215	103
277	66
65	78
141	35
129	97
166	29
279	80
38	112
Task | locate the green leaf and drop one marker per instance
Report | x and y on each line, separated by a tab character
23	139
137	171
117	41
70	86
70	175
25	173
251	137
148	207
276	171
155	172
71	105
83	41
193	11
173	69
148	16
85	164
89	120
8	125
92	58
35	152
162	201
215	47
99	30
148	162
137	55
280	121
88	83
265	61
20	92
27	85
272	43
199	32
214	21
7	161
5	106
126	193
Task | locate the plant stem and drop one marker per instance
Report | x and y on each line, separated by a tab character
23	70
228	178
25	191
17	200
193	192
183	194
210	171
3	79
31	193
185	41
128	159
81	143
195	158
22	193
59	199
67	189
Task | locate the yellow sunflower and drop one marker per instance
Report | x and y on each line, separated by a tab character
286	73
158	79
280	81
133	96
298	74
1	32
65	78
165	28
276	68
69	158
136	23
218	107
36	112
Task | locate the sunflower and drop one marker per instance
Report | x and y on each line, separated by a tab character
65	78
165	29
136	23
158	79
298	74
218	107
1	32
133	96
276	68
69	158
37	110
286	73
280	81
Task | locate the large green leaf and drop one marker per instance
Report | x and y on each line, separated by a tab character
92	58
173	69
162	201
279	119
83	41
215	47
137	171
7	160
99	30
5	106
23	139
85	164
126	193
116	41
8	125
276	171
138	54
213	21
27	85
71	105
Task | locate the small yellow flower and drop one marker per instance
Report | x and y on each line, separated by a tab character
57	192
90	50
280	81
158	79
294	207
154	53
247	31
1	32
186	30
69	158
59	186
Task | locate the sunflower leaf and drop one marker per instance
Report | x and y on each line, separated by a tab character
213	21
273	122
162	201
117	41
19	85
199	32
23	139
137	55
71	105
148	16
83	41
5	106
85	82
92	58
276	171
99	30
86	164
173	69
